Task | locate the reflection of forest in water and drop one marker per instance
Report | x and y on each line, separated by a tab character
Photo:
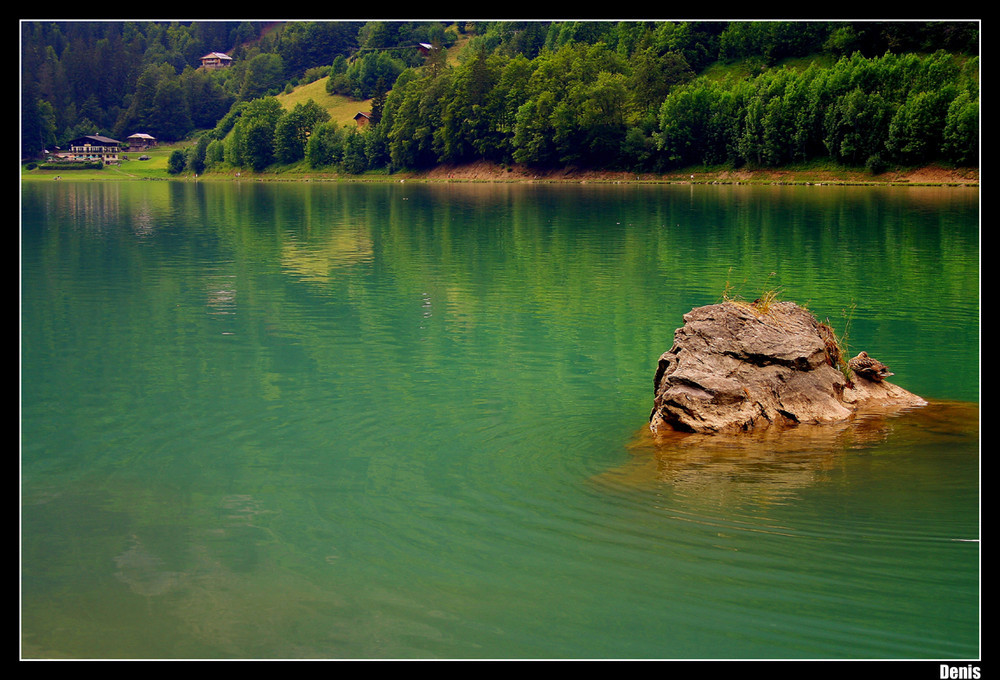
852	255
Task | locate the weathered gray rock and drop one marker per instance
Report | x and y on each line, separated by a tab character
737	367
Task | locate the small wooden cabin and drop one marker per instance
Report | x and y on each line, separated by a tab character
140	141
216	60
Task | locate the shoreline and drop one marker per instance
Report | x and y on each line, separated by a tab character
932	175
484	172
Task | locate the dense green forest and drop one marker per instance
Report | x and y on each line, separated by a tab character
640	96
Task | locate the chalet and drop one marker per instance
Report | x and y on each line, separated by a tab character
140	141
216	60
94	147
362	118
424	48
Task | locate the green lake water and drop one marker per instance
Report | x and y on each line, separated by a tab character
321	420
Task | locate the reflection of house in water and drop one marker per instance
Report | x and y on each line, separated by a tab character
220	290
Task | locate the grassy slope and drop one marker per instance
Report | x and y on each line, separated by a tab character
341	109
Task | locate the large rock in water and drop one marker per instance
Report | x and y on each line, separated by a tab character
737	366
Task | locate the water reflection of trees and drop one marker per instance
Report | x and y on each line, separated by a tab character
491	254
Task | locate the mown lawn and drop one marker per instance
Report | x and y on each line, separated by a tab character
154	168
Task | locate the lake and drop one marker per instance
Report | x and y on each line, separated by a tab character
408	420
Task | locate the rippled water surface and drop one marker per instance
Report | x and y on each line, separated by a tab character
407	421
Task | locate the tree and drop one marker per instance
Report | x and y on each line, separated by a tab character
960	139
38	125
653	76
290	137
685	124
857	127
363	75
512	89
141	112
170	118
437	59
469	125
916	131
413	113
533	132
325	146
378	100
354	161
176	162
207	99
264	75
377	147
638	148
233	147
306	44
603	114
251	142
258	144
196	155
214	153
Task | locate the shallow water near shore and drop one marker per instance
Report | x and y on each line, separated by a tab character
407	421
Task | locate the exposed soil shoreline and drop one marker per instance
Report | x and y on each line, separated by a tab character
483	171
489	172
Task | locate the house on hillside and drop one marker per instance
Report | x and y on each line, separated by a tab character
140	141
362	118
216	60
94	147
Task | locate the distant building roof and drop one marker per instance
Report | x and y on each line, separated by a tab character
142	135
91	139
216	55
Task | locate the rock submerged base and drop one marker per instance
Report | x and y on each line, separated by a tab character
738	366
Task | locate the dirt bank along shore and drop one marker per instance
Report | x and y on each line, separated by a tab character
491	172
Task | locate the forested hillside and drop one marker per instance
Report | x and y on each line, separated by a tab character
640	96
